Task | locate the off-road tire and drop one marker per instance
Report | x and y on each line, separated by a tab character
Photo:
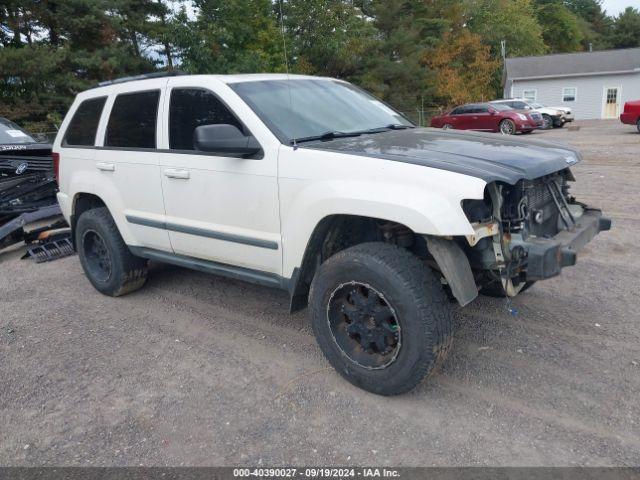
496	290
424	314
548	122
128	272
512	127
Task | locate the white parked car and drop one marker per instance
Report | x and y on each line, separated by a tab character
314	186
553	117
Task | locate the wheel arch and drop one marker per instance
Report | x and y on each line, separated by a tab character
332	234
335	233
82	202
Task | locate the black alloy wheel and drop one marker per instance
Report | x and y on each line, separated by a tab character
364	325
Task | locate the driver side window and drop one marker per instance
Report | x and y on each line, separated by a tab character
190	108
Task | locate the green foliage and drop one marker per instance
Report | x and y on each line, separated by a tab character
325	37
395	68
412	53
231	36
595	25
511	20
626	32
561	29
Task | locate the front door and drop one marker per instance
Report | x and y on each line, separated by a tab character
219	208
611	102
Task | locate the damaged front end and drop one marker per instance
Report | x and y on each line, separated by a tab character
27	191
527	232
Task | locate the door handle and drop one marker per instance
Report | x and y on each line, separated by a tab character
106	167
174	173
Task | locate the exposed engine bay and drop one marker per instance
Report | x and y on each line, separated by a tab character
527	231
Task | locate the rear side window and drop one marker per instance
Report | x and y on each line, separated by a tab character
84	124
191	107
133	119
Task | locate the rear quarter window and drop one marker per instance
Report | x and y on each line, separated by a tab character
84	124
132	123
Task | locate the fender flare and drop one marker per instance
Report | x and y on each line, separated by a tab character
454	265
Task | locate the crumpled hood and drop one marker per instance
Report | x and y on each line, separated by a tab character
491	157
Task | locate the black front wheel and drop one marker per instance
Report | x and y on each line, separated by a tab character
381	317
547	122
109	265
638	125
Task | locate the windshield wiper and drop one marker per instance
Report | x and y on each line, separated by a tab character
334	134
325	136
386	128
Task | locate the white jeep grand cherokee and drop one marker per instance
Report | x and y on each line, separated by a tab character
313	186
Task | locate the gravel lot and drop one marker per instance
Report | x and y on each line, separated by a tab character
200	370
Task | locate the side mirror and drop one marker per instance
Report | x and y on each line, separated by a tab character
492	111
224	139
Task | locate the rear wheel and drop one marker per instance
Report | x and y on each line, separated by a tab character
447	126
381	317
547	121
638	125
109	265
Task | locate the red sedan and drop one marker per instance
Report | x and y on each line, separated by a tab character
486	117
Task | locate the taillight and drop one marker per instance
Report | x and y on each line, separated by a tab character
56	166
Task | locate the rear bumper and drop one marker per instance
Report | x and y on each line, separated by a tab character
545	257
629	119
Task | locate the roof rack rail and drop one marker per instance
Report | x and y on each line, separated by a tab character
144	76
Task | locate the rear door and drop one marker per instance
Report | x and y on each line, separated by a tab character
219	208
460	118
127	162
482	119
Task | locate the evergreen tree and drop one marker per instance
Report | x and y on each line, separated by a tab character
231	36
626	30
513	21
561	29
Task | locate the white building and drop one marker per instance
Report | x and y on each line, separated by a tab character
593	84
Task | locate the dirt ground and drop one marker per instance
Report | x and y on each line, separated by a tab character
199	370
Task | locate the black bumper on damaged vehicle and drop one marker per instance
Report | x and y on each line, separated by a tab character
545	257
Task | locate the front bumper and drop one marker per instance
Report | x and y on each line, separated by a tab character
529	125
545	257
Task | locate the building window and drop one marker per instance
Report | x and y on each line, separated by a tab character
530	95
569	94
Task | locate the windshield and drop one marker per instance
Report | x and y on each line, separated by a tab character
301	109
10	133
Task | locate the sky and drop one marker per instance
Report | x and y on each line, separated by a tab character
614	7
